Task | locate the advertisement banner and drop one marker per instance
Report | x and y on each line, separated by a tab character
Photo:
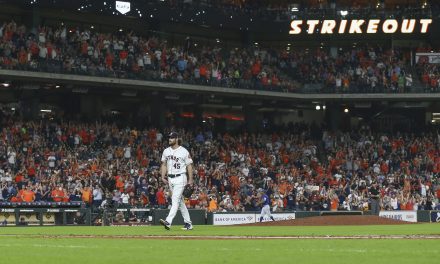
278	217
431	58
435	216
408	216
247	218
7	219
28	218
48	219
233	219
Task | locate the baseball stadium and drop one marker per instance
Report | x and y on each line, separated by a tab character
220	131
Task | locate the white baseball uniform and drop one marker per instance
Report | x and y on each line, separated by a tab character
177	160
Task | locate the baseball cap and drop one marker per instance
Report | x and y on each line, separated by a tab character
173	135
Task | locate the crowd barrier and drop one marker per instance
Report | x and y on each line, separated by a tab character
83	216
44	216
233	218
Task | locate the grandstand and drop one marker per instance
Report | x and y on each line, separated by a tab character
89	89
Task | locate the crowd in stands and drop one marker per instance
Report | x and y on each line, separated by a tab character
284	10
127	55
429	72
364	69
301	168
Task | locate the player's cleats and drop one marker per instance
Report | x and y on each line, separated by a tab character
165	224
187	227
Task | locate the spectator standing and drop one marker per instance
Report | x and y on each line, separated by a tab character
160	198
97	197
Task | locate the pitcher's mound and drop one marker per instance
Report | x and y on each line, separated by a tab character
335	220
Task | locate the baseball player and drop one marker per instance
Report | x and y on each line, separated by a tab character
265	203
176	161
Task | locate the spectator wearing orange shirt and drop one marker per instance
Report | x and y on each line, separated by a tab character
160	198
213	206
256	68
28	195
58	194
22	56
123	57
86	195
334	203
203	199
109	61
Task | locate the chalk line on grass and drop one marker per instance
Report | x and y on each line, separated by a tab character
200	237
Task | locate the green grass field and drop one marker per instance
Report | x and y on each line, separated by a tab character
53	245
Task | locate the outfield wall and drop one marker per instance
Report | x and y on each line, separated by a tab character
234	218
44	216
82	216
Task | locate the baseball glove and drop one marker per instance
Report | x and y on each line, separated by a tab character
188	191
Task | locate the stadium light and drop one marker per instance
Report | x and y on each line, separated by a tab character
318	107
344	12
346	110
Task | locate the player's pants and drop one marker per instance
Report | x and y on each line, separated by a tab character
265	211
375	206
176	186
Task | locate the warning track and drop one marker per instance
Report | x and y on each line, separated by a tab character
190	237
